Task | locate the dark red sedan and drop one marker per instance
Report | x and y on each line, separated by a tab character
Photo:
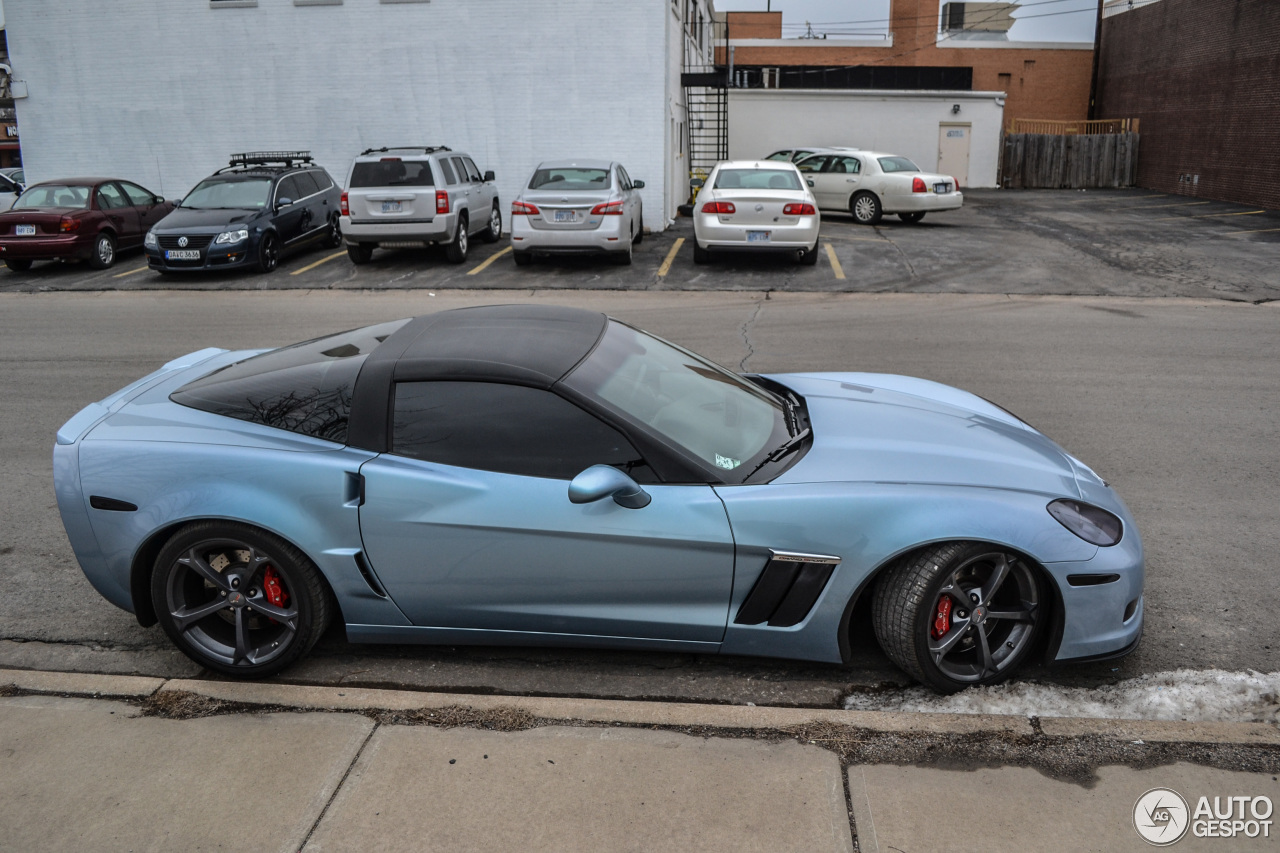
88	219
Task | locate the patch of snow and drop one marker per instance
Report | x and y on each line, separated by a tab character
1210	695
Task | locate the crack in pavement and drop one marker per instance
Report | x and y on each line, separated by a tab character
911	269
746	334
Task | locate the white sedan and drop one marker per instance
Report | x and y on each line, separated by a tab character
869	184
758	205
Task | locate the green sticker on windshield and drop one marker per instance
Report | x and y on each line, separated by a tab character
726	462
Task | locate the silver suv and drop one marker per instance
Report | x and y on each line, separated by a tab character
408	197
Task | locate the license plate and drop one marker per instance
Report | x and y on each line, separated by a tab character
939	188
758	236
391	207
182	255
25	230
566	216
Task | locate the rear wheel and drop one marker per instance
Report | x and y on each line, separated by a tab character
333	239
360	253
493	233
809	257
638	237
18	266
522	259
104	252
865	208
700	255
456	251
624	257
960	613
238	600
911	218
268	252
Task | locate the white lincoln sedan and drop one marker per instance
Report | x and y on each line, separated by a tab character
869	184
757	205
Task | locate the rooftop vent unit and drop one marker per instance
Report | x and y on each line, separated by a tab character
978	17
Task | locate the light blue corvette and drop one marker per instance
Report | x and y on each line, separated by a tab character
534	475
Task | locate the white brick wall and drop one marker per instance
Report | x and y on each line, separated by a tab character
162	91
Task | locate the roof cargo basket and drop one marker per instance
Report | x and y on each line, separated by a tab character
425	149
271	158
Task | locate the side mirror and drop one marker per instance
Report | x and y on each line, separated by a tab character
602	481
638	185
489	176
282	203
155	199
696	183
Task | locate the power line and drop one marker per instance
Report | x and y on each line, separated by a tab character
935	17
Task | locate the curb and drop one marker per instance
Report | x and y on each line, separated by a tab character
639	713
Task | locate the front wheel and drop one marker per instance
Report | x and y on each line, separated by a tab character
959	614
456	251
493	233
104	252
238	600
268	252
333	239
865	208
911	218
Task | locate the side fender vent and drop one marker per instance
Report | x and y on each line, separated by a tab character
787	589
366	572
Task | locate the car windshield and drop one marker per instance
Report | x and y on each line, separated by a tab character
713	414
779	155
53	195
757	179
229	192
897	164
569	178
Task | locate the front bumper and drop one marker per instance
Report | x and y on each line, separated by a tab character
711	233
606	237
212	257
439	229
40	248
1094	624
923	202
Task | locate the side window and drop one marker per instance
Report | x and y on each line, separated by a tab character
624	180
811	164
138	197
460	168
472	172
447	168
510	429
288	188
322	179
848	165
306	184
109	196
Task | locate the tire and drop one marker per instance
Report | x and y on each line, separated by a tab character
18	266
268	252
623	258
700	255
333	239
907	613
217	606
360	253
104	252
809	257
456	251
638	238
493	233
865	208
522	259
911	218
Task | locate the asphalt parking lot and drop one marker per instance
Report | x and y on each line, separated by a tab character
1098	243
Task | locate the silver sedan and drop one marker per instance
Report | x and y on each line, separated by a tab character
577	207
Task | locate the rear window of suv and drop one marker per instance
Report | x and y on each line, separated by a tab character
392	173
304	388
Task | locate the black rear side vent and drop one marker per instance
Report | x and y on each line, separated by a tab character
111	504
787	589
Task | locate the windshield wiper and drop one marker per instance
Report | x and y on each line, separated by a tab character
782	450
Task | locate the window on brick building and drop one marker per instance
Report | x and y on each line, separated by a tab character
1005	80
1028	65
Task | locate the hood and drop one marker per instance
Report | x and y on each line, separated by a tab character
188	219
870	427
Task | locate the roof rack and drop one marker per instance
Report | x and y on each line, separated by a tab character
270	158
426	149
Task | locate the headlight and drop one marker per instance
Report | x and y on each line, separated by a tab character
150	240
1092	524
232	236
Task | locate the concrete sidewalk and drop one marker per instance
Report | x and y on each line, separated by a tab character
92	763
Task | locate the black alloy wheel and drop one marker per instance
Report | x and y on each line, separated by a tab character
268	252
960	614
238	600
333	239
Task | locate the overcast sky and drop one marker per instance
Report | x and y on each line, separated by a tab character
1037	20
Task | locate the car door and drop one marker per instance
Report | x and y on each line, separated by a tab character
115	205
480	197
810	168
314	217
468	524
288	219
149	207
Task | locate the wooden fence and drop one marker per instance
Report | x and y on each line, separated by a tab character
1051	161
1073	128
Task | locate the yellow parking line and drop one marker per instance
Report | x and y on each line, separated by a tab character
130	272
835	262
1208	215
489	260
671	256
1258	231
319	262
1154	206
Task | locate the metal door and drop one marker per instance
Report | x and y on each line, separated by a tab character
953	151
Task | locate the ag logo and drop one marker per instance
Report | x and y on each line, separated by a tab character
1161	816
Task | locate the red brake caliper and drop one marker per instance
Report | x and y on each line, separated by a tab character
273	589
942	619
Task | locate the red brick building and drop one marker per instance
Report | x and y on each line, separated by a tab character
1042	80
1204	78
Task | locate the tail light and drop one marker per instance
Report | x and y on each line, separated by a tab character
442	201
719	207
609	208
520	208
68	223
798	210
917	185
957	183
346	208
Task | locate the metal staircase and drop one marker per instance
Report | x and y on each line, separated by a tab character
706	96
